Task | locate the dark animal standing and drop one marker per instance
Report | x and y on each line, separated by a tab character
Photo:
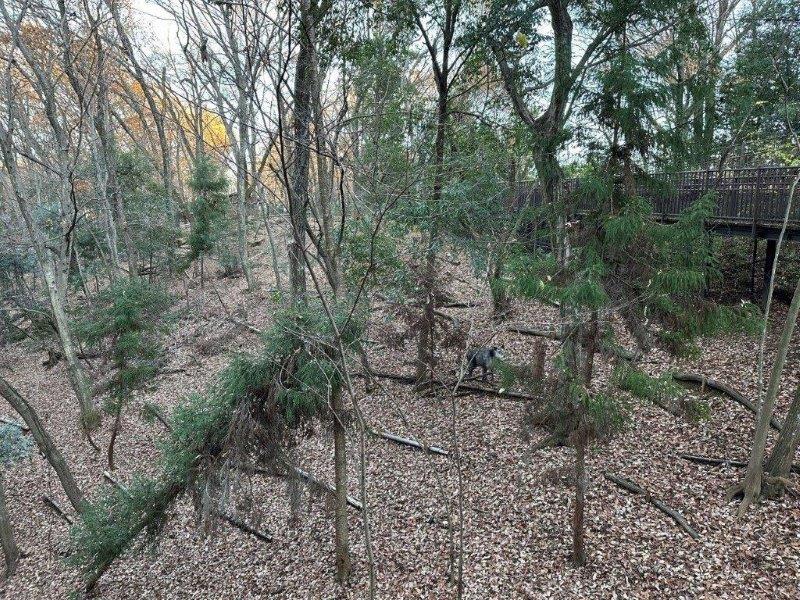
483	358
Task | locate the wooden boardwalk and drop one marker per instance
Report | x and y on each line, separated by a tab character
750	201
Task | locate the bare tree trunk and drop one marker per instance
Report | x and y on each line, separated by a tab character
10	548
298	201
779	464
108	157
426	342
273	250
158	115
578	540
751	487
45	444
241	210
340	476
77	377
113	440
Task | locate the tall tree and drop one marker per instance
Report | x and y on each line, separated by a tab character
57	166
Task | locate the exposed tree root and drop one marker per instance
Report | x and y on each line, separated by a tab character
725	389
629	485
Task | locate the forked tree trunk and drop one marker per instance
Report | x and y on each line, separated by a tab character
45	443
10	548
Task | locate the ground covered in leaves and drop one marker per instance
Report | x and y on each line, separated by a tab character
516	503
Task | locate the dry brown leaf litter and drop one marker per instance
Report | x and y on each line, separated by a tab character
517	503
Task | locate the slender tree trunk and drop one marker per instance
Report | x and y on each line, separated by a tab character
10	548
77	376
45	443
114	433
779	463
54	270
751	487
340	475
578	540
108	158
241	191
273	250
158	115
298	202
426	342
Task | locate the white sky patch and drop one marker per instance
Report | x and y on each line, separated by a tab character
154	21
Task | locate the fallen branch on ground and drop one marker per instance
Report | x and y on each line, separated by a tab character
246	325
553	334
707	460
326	486
155	411
409	442
408	379
725	389
53	505
20	426
460	305
629	485
559	334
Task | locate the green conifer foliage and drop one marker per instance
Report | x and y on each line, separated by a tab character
209	209
250	411
129	315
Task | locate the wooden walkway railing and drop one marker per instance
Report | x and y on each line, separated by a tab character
756	196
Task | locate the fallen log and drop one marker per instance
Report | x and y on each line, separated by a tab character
725	389
559	334
326	486
658	401
707	460
634	488
497	393
460	305
408	379
264	537
409	442
553	334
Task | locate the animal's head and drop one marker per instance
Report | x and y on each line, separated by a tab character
495	352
